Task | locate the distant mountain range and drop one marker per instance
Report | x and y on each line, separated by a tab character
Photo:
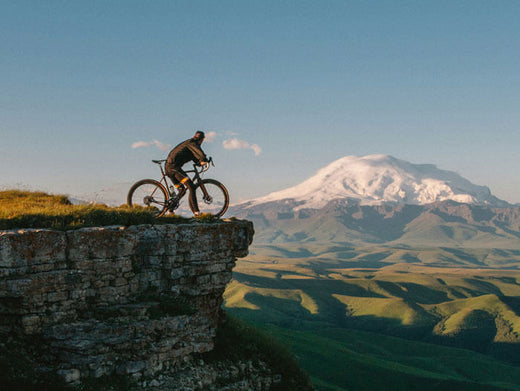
379	179
381	199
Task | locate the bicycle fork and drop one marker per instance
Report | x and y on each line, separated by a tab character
206	197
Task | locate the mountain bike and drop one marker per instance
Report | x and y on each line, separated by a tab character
161	197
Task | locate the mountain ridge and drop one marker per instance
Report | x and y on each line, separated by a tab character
379	179
446	223
330	207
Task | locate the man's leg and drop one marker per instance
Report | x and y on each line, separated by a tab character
177	177
193	197
183	179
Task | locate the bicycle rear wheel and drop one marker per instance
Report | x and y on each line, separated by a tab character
212	197
149	194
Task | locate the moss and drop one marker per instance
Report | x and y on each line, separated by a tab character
207	218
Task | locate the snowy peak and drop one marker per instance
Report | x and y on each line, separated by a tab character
377	179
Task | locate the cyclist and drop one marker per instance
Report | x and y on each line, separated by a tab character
180	155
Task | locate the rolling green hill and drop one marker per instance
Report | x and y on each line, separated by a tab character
340	359
337	305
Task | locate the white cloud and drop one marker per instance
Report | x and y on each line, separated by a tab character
234	143
141	144
154	143
210	137
256	148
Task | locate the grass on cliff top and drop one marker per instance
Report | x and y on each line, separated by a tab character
25	209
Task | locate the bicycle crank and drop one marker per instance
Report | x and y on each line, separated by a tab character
173	203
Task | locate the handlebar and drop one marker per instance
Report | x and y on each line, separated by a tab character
206	166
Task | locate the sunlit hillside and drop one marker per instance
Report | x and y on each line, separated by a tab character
433	301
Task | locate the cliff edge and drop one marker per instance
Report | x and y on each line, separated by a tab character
132	301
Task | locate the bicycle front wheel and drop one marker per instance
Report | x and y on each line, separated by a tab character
212	197
149	194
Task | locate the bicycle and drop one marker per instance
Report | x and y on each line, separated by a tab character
212	196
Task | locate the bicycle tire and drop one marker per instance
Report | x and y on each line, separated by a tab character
149	193
219	202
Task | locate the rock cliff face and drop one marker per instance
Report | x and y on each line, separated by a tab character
127	300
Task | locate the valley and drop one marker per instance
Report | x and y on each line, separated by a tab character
386	275
412	315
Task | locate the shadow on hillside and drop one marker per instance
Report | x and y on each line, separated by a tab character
315	288
323	267
377	223
464	255
414	322
420	293
291	315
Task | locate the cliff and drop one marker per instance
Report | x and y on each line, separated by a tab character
118	300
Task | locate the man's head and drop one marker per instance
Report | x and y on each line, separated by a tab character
199	136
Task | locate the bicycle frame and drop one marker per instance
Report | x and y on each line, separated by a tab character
196	178
163	179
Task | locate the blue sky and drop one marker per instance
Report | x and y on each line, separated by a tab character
298	84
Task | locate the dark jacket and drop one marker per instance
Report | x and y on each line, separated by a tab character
184	152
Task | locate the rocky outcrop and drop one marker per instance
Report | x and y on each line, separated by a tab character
224	375
133	300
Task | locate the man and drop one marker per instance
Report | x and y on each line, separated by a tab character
180	155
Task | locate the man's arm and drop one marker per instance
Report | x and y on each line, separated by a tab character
197	152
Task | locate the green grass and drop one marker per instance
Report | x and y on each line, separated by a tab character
340	359
238	340
402	296
386	308
471	314
434	302
24	209
236	292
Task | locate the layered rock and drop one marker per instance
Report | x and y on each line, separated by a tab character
126	300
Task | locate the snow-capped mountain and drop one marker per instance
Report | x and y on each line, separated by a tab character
378	179
381	199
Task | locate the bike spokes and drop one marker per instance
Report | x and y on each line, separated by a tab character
149	194
212	197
